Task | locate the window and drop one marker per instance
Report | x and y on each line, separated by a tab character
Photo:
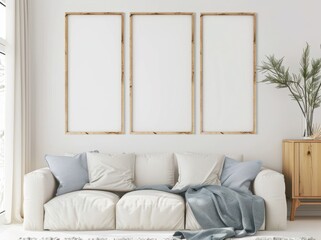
2	97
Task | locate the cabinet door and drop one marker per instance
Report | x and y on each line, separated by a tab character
309	161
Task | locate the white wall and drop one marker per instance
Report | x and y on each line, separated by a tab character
283	27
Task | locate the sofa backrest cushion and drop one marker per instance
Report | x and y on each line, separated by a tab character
70	171
199	169
154	168
238	157
111	172
160	168
238	175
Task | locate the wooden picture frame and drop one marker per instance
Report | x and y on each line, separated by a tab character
166	37
226	43
94	62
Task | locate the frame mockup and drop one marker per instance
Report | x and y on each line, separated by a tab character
162	73
94	73
228	73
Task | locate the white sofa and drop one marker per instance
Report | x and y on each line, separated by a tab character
137	210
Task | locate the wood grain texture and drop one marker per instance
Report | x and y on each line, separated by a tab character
310	169
66	74
254	73
302	140
158	133
201	78
131	72
288	167
294	206
93	13
227	14
67	131
226	133
254	128
122	74
193	74
301	169
296	169
131	80
161	13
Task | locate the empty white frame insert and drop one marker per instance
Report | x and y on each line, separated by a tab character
162	73
228	81
94	81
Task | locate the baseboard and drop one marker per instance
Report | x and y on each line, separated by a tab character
307	211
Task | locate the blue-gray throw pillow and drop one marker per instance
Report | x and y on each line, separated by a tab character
71	172
238	175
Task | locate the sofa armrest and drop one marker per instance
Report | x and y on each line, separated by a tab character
270	186
39	187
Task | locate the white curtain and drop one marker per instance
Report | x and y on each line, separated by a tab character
17	154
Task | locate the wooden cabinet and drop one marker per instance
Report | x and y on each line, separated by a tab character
302	172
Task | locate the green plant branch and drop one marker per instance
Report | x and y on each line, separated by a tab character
304	88
298	101
316	95
304	72
278	76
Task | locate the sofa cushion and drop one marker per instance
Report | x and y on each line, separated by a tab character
70	171
154	169
191	222
199	169
81	210
234	156
239	175
150	210
111	172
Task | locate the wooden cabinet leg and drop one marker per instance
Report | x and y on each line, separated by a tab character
295	205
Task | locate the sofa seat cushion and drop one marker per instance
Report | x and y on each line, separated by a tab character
81	210
150	210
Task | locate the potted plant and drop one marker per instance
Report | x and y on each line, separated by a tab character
304	87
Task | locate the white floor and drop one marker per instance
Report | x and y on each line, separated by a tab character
301	227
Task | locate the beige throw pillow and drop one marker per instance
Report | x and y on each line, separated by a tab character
154	169
199	169
111	172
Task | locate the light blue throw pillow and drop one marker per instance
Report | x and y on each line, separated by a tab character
238	175
70	171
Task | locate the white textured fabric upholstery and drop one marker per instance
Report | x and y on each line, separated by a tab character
39	187
138	210
191	222
199	169
270	186
150	210
110	172
154	168
233	156
81	210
